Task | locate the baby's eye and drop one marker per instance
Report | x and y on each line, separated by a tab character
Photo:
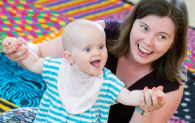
162	37
144	28
101	47
87	49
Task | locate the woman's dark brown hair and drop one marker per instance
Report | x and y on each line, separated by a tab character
168	66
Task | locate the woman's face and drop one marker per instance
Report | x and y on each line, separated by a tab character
150	38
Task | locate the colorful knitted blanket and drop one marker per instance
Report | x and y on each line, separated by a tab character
38	21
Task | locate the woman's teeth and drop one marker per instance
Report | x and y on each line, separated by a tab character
144	50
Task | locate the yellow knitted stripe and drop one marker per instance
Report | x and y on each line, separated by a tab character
6	107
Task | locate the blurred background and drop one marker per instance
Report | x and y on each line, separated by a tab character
191	10
39	21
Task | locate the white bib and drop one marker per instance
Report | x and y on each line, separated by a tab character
77	93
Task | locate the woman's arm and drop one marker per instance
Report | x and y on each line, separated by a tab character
164	114
101	23
52	48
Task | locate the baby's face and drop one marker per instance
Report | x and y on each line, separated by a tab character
90	54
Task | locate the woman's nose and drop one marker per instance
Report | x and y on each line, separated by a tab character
149	40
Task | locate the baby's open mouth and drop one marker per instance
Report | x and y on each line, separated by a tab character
96	63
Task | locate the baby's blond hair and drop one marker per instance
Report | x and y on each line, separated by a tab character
75	29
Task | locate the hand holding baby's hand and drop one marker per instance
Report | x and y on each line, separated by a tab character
152	99
13	49
161	97
9	42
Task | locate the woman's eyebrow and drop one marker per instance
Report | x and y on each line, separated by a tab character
149	27
165	34
143	23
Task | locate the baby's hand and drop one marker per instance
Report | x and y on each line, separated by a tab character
14	49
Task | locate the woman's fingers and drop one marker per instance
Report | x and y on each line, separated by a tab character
159	98
21	41
13	50
24	56
142	100
9	42
162	98
6	44
20	52
160	106
155	99
148	98
151	101
9	45
160	88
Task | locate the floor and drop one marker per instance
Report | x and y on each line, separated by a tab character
191	10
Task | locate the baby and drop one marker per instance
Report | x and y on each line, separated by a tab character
79	88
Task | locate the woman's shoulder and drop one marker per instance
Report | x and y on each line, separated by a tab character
151	80
171	86
113	22
112	29
168	85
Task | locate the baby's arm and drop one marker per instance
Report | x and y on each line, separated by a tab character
131	98
33	62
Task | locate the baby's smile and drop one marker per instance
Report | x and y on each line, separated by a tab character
95	63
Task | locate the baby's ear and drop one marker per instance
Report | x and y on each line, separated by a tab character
67	56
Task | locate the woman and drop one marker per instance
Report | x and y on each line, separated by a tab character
147	50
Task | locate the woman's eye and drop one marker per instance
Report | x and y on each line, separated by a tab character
87	50
101	47
144	28
162	37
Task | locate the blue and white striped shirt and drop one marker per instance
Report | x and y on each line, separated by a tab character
51	109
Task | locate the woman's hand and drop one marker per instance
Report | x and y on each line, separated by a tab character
13	51
149	103
165	112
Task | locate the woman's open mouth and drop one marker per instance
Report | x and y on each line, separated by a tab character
143	51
